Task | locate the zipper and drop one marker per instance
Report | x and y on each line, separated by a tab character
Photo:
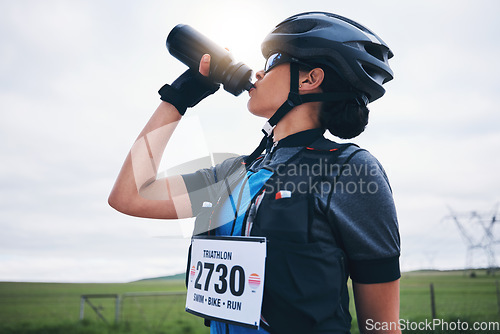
343	284
252	202
274	147
269	155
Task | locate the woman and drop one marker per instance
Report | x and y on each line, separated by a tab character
326	209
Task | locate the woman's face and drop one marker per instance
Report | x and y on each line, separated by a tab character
270	92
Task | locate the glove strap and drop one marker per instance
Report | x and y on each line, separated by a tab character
187	90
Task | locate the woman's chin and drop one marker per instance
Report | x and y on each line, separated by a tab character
256	111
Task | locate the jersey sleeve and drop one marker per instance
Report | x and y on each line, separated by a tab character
205	184
362	210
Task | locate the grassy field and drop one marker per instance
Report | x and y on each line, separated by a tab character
55	308
458	297
31	308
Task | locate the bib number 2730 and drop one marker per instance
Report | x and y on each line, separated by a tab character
226	279
236	278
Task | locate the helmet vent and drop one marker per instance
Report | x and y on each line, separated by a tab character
298	26
375	51
353	45
376	74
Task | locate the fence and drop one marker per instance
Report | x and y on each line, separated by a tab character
454	296
152	310
475	301
99	309
450	297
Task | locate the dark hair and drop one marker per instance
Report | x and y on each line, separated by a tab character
344	119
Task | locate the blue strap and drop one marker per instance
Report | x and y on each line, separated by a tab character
234	211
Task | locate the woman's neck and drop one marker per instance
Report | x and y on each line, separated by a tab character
300	118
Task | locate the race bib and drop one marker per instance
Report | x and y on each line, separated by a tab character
226	279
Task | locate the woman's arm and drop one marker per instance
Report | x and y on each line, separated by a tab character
377	307
137	192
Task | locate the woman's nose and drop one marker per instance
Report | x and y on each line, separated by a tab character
260	74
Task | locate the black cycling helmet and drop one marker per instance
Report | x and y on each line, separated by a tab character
358	55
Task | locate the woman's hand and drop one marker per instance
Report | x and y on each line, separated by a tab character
190	87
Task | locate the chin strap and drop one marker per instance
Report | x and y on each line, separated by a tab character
295	99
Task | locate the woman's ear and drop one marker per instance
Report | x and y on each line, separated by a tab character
311	80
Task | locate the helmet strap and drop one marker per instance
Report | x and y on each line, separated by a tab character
292	101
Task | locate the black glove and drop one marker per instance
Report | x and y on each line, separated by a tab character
187	90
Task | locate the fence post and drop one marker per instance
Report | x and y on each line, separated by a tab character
117	309
433	302
82	307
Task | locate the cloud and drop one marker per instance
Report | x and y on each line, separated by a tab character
78	81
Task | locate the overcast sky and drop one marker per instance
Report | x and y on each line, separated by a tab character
79	79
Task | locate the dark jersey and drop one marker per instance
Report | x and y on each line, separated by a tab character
326	210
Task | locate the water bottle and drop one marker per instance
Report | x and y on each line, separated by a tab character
188	45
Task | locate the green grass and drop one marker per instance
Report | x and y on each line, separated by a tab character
456	296
55	308
29	308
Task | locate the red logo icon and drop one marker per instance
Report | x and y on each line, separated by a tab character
254	281
192	272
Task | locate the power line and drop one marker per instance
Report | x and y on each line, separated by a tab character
477	232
